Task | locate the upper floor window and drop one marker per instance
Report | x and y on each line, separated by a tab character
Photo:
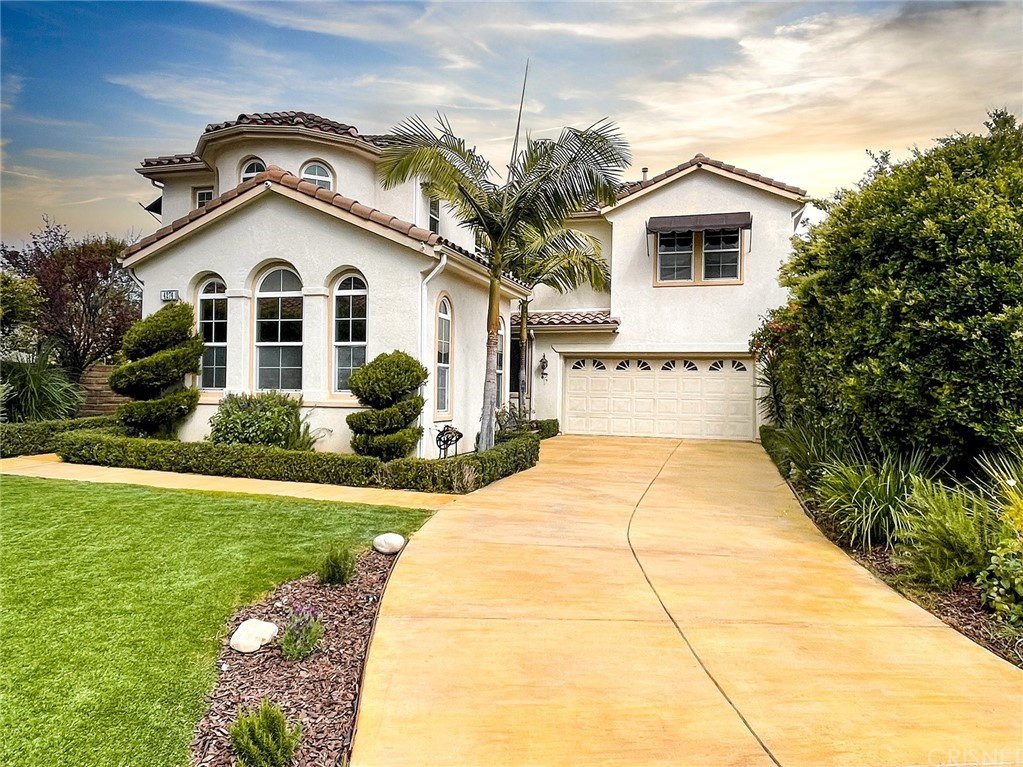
712	255
675	256
444	356
203	195
213	328
350	310
279	331
434	220
252	168
500	362
318	173
721	254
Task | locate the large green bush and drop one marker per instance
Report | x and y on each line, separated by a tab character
266	418
37	390
1001	583
38	437
386	384
906	324
161	350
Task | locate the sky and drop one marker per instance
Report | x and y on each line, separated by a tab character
796	91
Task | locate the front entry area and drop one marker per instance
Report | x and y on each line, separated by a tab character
688	397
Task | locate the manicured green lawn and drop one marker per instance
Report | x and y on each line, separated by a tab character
113	598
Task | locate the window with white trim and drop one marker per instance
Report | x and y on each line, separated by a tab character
252	168
434	219
203	195
500	362
675	257
318	173
444	356
279	331
213	329
721	254
351	301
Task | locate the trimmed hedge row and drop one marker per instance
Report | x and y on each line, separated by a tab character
545	429
462	474
36	437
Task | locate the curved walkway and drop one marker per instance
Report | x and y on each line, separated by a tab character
655	602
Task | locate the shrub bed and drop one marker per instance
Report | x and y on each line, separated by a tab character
462	474
36	437
545	429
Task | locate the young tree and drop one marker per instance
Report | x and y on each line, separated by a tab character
547	181
907	319
87	301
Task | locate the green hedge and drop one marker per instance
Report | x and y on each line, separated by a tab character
254	461
149	377
462	474
545	429
152	416
36	437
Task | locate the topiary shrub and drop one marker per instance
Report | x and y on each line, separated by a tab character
161	350
267	418
386	385
263	737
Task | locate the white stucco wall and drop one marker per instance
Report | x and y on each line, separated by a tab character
179	195
585	297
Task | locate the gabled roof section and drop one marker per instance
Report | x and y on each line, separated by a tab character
288	180
702	161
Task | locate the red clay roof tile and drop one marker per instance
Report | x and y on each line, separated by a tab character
700	160
569	319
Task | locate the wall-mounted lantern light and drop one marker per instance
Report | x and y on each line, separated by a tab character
543	367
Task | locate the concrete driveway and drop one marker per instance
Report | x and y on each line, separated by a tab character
658	602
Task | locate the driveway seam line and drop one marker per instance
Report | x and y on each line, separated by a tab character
678	628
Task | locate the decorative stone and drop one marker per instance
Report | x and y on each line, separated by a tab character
252	635
388	543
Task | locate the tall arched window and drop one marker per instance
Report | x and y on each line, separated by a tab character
443	405
252	168
350	330
500	361
319	174
279	331
213	328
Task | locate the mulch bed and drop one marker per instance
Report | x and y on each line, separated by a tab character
960	608
321	691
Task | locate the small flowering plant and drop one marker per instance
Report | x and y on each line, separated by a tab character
302	634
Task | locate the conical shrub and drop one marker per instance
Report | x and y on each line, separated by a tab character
386	385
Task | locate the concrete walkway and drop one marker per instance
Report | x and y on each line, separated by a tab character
655	602
50	466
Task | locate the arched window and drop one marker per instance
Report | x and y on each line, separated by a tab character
444	356
350	308
318	173
279	331
500	361
252	168
213	328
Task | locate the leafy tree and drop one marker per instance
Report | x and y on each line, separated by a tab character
907	318
546	182
87	301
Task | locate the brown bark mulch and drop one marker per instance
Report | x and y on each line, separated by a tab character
960	608
320	691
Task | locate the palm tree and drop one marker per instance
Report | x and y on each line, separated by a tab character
547	181
563	260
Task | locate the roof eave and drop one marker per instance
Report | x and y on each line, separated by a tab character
239	131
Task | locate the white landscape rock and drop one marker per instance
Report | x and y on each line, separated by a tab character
388	543
252	635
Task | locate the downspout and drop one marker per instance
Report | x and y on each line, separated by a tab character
422	328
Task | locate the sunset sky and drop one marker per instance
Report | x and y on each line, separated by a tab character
796	91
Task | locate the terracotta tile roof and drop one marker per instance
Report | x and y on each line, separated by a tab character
171	160
289	119
288	179
568	319
701	159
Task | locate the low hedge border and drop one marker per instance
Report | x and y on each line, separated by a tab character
545	429
462	474
37	437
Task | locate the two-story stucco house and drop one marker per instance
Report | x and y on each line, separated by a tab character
302	267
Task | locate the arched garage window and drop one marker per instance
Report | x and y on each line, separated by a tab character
213	328
279	331
350	329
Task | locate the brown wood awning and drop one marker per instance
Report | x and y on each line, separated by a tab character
700	222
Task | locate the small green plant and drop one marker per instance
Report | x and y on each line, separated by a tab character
1004	484
338	566
268	418
949	534
869	501
1001	583
37	390
263	738
807	448
302	633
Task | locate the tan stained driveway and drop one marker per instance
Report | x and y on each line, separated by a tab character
657	602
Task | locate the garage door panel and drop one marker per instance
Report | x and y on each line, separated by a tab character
678	398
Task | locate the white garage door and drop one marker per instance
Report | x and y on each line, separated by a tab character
695	398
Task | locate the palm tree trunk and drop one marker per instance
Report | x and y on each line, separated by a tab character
524	403
488	418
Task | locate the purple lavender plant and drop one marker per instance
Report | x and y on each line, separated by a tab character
302	633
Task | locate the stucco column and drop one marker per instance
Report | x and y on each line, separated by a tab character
239	340
315	346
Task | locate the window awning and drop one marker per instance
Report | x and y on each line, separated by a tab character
700	222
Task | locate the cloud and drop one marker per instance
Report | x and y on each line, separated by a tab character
10	88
